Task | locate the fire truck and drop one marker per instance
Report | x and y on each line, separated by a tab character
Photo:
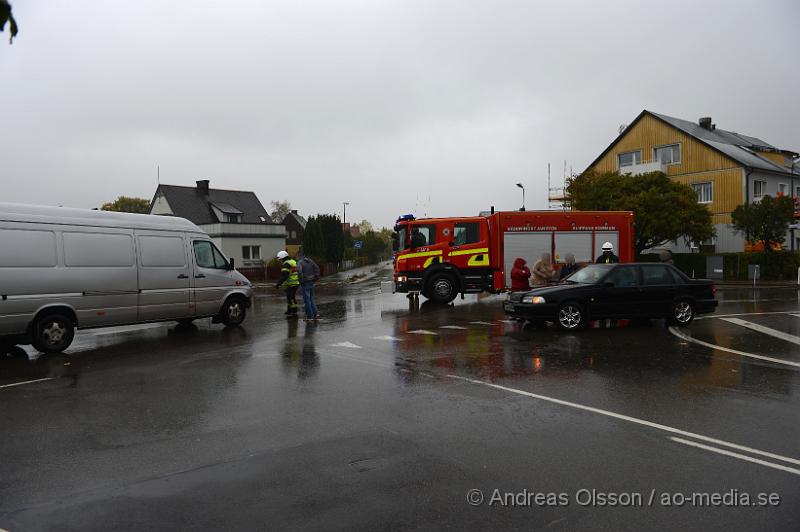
443	257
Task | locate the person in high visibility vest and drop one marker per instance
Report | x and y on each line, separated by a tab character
608	256
290	281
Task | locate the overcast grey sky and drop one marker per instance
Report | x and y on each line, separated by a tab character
380	103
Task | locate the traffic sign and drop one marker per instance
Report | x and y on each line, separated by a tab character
357	244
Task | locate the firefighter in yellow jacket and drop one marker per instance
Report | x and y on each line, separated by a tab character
290	280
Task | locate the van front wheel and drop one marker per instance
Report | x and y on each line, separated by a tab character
52	333
233	312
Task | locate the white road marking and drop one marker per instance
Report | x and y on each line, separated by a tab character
766	330
422	331
688	338
715	316
390	338
623	417
360	360
349	345
26	382
456	327
482	323
736	455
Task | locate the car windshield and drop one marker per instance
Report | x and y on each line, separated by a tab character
590	274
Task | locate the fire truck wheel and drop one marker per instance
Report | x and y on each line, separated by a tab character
442	288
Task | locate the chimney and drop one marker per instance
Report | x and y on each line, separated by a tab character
202	186
294	211
705	123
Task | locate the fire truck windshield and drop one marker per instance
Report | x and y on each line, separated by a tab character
399	239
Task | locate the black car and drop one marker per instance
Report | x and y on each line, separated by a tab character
601	291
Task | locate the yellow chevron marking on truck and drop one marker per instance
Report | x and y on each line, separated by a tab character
479	260
468	251
430	261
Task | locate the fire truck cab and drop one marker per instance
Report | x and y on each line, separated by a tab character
443	257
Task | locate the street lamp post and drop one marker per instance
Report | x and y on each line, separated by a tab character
523	195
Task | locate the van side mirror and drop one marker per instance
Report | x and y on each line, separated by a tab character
230	264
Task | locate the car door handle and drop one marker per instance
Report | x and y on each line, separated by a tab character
200	276
183	276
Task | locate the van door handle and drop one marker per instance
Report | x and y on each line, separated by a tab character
200	276
183	276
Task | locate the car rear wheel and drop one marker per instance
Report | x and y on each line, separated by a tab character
233	312
570	316
682	313
52	333
441	288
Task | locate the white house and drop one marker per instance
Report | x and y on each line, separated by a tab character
235	219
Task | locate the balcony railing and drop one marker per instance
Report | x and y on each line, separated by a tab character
644	167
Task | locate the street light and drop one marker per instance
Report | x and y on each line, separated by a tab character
344	215
523	195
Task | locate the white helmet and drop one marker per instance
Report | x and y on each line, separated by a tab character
608	246
282	255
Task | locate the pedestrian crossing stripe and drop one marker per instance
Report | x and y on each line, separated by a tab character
422	331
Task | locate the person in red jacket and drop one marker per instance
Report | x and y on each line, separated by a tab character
520	276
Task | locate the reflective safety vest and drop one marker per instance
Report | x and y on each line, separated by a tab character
290	266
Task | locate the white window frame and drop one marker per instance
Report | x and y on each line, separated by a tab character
757	197
249	255
698	188
674	144
634	163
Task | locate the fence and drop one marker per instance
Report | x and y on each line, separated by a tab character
776	266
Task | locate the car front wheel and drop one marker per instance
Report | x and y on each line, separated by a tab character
233	312
682	313
570	316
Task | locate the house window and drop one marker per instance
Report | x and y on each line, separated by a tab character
782	189
251	252
668	154
630	158
704	191
292	234
797	191
232	218
759	189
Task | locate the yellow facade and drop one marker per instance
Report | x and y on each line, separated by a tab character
698	163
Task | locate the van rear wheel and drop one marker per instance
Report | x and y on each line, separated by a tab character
233	312
52	333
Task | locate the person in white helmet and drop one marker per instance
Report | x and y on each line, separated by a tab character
290	280
608	256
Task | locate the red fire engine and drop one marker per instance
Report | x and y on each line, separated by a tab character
442	257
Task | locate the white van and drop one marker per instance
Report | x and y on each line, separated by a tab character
62	269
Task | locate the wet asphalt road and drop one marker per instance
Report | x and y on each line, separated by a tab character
383	418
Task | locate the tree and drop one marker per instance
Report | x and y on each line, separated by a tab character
7	16
126	204
664	210
279	210
364	227
323	238
764	221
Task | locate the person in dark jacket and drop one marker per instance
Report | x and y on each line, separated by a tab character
309	275
569	266
520	276
608	256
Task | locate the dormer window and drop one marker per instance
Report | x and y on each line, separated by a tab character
233	218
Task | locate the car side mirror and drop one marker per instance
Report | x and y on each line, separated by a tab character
230	264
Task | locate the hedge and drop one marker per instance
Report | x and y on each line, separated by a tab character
775	266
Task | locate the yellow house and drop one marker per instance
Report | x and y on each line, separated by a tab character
726	169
